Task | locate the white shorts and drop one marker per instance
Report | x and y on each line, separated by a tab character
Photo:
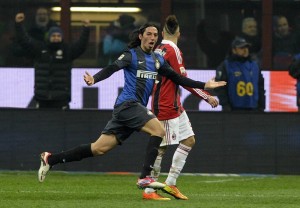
177	129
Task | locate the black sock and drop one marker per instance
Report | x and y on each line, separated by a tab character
151	154
76	154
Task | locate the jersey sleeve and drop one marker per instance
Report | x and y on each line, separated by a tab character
123	61
195	91
167	71
198	92
174	58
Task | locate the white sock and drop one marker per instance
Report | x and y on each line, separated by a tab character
155	172
178	163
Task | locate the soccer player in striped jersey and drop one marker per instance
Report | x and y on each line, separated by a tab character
141	66
168	109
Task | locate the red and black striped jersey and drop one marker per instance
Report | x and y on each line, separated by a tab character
165	95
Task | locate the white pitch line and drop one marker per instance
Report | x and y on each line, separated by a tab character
217	181
55	192
244	195
228	180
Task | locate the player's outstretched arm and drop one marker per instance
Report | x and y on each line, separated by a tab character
211	84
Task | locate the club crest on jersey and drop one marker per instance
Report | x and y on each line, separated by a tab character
146	74
121	57
157	64
237	74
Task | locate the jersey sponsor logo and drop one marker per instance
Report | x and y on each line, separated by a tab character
146	74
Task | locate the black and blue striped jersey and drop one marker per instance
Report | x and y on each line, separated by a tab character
140	71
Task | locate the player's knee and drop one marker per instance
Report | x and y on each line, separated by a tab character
190	142
158	131
97	150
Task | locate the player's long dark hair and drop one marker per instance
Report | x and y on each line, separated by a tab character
134	39
171	24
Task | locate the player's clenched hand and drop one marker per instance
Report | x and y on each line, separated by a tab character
19	17
86	22
212	101
89	80
213	84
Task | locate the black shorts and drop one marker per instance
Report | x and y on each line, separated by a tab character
127	117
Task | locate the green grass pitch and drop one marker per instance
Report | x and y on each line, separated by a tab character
60	189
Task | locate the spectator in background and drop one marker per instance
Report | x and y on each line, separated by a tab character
245	84
116	39
140	20
284	43
37	31
52	62
250	34
294	71
215	50
41	25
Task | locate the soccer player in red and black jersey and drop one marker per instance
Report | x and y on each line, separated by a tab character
167	107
